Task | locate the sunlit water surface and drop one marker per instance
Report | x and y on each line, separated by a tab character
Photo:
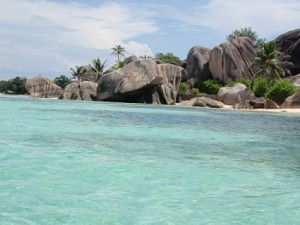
71	162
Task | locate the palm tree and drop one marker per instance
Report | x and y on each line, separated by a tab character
118	51
98	67
271	63
77	72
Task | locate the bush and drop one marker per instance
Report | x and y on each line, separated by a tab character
183	87
260	87
195	91
280	90
210	86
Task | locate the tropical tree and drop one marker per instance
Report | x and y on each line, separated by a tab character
168	58
98	67
78	72
270	62
17	85
118	51
62	81
247	32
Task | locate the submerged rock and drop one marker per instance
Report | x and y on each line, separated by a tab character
42	87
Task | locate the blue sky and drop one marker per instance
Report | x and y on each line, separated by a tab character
48	37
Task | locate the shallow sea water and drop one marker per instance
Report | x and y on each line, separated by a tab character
71	162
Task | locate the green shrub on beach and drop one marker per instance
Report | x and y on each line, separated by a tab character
183	87
210	86
280	90
195	91
260	87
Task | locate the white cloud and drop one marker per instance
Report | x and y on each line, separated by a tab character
267	18
138	49
35	31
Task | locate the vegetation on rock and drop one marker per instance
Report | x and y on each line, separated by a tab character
271	63
247	32
62	81
280	90
98	67
168	58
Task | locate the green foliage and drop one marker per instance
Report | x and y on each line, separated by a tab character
280	90
98	67
195	91
17	85
118	51
271	63
260	86
243	32
240	80
168	58
210	86
78	72
184	87
62	81
247	32
3	86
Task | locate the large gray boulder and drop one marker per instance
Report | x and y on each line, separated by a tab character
235	95
42	87
203	102
289	43
231	60
85	91
90	74
197	63
292	101
141	81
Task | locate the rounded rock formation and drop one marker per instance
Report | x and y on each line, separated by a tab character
42	87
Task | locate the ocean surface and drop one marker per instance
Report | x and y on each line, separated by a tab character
72	162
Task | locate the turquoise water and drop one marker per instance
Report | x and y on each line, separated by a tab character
71	162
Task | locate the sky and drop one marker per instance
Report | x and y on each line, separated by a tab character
48	37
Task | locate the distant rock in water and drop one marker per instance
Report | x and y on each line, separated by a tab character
85	91
289	43
141	81
231	60
42	87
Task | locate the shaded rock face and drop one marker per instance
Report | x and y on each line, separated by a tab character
42	87
292	101
271	104
130	59
235	95
141	81
296	80
90	74
196	63
231	60
289	43
85	91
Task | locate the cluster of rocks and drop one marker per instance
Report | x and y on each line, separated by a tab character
148	81
226	62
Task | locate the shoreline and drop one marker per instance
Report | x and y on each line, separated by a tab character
227	107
